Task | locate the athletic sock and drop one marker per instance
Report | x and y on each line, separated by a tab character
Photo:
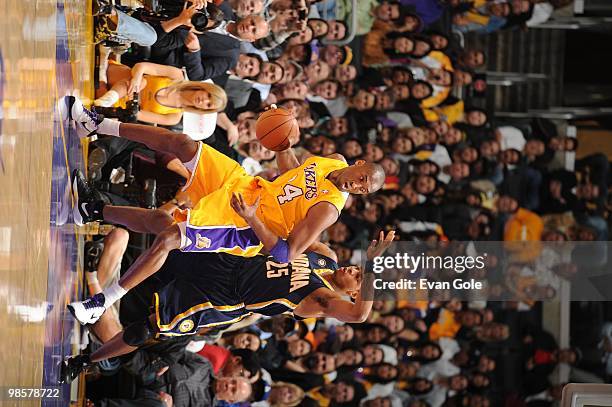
91	277
109	127
108	99
113	294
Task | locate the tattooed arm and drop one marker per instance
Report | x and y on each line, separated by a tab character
327	303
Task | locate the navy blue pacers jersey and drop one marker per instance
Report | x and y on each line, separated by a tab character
217	289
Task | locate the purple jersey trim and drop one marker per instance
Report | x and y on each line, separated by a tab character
215	239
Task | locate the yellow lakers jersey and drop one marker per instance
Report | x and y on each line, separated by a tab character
286	200
148	102
213	226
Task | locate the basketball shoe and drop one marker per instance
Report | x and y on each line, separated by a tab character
88	204
88	311
72	367
86	121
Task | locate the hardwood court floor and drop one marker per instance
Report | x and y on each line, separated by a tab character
44	53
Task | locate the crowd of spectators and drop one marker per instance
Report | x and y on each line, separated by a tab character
453	173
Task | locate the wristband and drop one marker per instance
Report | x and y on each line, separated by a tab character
280	251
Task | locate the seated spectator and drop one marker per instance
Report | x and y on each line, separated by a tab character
244	8
345	73
241	340
316	72
281	394
482	18
234	363
339	392
334	55
163	93
209	54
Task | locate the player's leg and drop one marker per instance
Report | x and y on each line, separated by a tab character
149	262
156	138
115	244
89	207
88	122
139	220
108	325
105	272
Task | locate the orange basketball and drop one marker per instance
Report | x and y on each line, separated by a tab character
275	128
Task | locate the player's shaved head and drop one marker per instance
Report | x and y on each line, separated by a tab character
378	176
360	178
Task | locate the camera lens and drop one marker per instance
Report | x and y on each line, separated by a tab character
199	21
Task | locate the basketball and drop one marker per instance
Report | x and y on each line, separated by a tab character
275	128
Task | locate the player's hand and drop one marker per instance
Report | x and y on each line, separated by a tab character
192	43
165	398
247	212
378	247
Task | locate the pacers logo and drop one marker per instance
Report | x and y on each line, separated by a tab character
186	326
202	242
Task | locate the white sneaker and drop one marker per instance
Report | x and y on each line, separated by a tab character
88	311
86	121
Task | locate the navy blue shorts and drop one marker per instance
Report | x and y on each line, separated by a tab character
202	293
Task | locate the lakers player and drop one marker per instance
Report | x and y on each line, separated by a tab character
233	213
217	290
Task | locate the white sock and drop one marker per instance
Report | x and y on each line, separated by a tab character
109	127
91	277
108	99
113	294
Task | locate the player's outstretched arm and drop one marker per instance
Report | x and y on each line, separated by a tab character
286	160
327	303
324	302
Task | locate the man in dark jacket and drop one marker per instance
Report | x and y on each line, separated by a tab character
187	383
205	55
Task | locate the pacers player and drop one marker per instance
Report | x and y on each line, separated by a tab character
218	289
233	212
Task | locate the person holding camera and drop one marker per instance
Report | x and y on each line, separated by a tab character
214	52
197	38
284	22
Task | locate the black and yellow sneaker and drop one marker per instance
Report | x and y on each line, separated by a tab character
105	27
